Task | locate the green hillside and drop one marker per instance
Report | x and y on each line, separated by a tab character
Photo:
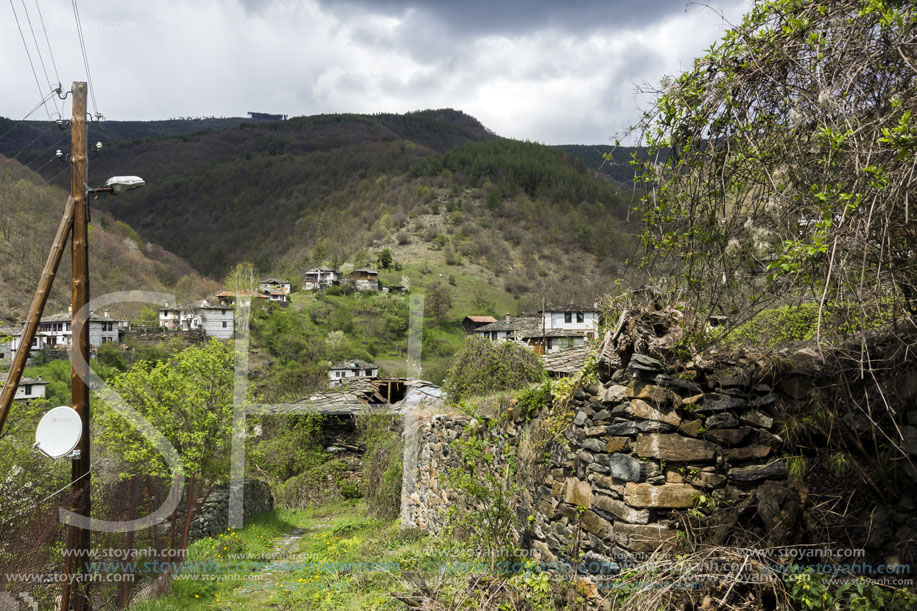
119	259
332	189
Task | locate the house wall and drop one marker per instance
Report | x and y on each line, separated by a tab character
493	335
103	333
555	320
27	392
318	280
366	284
556	344
218	322
170	319
337	375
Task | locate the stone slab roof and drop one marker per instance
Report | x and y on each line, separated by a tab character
566	362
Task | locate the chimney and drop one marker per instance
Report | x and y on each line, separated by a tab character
507	317
69	309
106	314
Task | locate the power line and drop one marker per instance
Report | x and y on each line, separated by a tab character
79	30
15	124
29	55
50	52
38	51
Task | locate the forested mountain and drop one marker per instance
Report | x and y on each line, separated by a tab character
331	189
618	167
19	135
30	212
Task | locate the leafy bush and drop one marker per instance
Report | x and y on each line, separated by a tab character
814	591
324	482
481	367
382	464
488	486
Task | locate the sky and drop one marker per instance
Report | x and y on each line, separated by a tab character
551	71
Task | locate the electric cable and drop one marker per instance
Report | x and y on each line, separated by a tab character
29	55
47	40
41	58
79	30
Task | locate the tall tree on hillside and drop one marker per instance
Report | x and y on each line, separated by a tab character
439	299
385	259
793	149
241	279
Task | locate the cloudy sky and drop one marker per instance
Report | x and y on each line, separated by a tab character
554	71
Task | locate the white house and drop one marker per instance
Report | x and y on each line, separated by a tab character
573	318
558	328
321	276
13	339
217	321
275	285
55	332
28	389
102	330
179	318
340	372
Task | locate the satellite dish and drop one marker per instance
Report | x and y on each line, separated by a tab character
59	431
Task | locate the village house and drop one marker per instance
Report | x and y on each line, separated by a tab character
217	321
228	298
10	340
275	296
508	328
470	323
345	370
365	279
321	276
556	329
275	285
55	332
28	389
179	318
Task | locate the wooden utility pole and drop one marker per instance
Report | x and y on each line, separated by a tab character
78	538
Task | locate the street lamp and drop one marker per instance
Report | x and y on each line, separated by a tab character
116	185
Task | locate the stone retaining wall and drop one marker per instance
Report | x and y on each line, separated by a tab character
641	445
213	517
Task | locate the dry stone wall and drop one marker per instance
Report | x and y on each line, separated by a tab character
641	445
213	516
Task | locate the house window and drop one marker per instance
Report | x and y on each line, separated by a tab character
568	317
27	389
580	317
223	313
224	324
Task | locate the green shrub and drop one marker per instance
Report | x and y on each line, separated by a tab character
812	591
382	464
482	367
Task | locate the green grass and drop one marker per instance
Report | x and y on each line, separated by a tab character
342	559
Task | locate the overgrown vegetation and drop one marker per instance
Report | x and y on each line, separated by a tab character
382	464
792	148
483	367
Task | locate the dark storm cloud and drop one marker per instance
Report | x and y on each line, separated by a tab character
508	16
556	71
